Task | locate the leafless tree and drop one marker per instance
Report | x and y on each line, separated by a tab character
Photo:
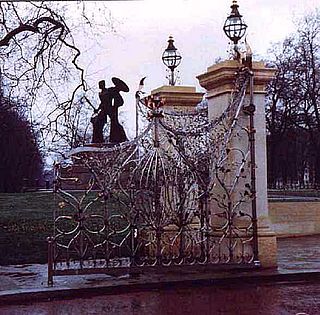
39	63
294	95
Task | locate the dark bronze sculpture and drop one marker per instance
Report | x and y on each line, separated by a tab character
111	100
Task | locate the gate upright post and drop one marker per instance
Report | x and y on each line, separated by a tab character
251	110
50	261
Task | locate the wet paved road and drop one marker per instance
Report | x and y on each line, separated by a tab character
294	255
275	299
299	254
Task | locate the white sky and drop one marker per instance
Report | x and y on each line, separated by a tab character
143	28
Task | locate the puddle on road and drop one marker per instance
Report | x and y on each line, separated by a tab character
227	300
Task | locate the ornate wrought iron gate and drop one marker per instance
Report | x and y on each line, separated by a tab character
180	194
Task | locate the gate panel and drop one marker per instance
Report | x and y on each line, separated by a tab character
178	195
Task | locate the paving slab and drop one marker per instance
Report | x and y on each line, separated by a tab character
299	254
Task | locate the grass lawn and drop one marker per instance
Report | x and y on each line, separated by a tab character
26	220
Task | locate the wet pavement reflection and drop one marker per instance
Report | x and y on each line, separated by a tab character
294	255
299	254
273	299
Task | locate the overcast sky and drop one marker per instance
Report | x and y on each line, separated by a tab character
143	27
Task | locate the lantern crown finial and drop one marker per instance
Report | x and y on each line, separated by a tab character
234	9
170	44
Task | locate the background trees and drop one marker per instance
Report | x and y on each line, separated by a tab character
44	97
293	110
20	157
40	63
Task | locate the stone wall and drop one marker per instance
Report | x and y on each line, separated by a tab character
295	216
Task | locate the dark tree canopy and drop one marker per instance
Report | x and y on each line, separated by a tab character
293	108
20	156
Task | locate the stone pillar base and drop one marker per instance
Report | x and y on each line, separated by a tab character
267	243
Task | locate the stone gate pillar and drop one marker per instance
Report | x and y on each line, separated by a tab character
219	83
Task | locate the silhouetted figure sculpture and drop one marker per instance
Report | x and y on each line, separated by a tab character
111	100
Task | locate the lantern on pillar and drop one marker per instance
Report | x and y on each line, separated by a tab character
171	58
234	27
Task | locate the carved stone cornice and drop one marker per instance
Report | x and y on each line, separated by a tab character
219	78
178	96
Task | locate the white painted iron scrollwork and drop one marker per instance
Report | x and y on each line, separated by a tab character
180	194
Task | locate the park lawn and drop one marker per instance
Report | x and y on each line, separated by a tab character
26	220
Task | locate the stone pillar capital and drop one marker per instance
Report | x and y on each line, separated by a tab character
178	97
219	78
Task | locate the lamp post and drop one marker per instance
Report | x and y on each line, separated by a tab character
171	58
234	27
